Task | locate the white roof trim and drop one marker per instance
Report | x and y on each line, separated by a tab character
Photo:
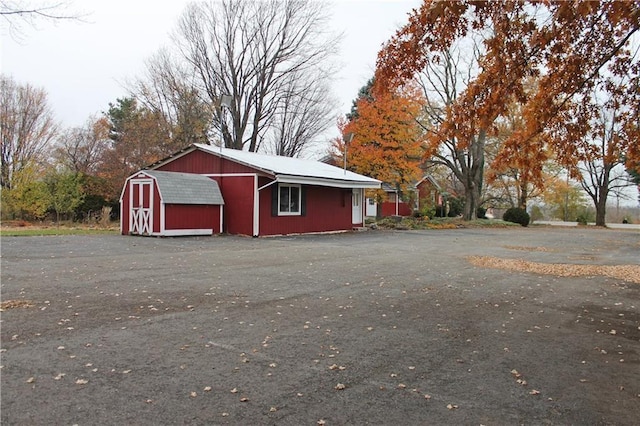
326	182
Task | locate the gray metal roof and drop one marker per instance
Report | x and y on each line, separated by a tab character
186	188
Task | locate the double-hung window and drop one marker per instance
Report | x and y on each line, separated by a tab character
289	200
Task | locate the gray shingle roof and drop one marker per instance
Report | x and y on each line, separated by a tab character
186	188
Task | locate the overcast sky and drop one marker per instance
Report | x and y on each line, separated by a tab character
83	66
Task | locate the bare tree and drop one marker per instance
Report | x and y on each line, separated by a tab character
27	127
81	149
168	89
305	111
17	13
256	52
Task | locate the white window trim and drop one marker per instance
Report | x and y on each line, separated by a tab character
287	185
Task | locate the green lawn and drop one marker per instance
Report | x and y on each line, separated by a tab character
34	232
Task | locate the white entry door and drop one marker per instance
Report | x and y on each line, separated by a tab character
141	202
356	206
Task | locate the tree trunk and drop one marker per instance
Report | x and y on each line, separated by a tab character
474	176
601	206
524	194
472	200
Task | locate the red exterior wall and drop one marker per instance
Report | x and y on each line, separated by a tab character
327	209
237	192
204	163
190	216
389	209
124	210
156	207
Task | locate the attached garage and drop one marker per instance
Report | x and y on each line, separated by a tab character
162	203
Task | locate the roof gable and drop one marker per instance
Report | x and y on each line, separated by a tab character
186	188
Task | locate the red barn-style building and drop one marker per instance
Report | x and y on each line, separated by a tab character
262	194
156	203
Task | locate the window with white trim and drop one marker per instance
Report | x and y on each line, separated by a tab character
289	200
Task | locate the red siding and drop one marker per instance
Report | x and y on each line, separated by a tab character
428	192
237	192
204	163
182	216
389	209
156	207
124	210
327	209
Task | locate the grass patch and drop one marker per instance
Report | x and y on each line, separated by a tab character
28	230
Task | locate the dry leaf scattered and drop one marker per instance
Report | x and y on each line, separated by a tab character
629	273
340	386
523	248
11	304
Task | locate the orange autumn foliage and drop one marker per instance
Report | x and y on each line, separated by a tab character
570	47
387	140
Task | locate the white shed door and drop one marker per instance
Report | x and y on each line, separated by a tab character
141	202
356	206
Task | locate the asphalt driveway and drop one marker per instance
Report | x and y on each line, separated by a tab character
377	327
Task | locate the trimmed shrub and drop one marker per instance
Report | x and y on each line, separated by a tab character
517	215
582	219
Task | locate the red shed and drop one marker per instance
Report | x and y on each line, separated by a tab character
274	195
170	204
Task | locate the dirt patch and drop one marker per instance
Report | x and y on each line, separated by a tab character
629	273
